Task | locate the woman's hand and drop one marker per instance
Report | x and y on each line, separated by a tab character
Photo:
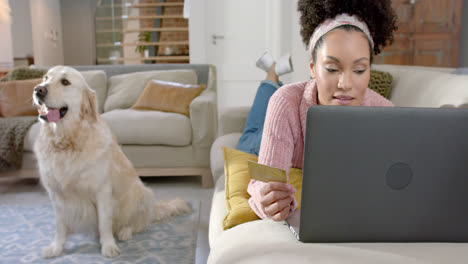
276	199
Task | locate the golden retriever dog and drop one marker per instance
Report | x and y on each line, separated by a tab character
91	183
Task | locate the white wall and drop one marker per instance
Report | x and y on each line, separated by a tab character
76	33
79	45
6	49
21	28
300	56
47	32
197	31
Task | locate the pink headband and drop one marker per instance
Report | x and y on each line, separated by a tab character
339	20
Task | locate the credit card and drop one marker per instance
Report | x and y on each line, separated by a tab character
266	173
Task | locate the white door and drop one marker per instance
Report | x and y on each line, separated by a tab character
237	33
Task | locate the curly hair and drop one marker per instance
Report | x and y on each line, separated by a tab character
377	14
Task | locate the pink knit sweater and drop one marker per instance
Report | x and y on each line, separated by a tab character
283	133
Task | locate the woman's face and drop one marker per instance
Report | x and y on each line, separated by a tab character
342	68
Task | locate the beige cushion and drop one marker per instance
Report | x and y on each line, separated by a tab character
97	80
124	89
149	127
423	88
168	96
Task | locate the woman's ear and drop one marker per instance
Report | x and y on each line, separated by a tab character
312	70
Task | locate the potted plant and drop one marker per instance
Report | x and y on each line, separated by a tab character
144	36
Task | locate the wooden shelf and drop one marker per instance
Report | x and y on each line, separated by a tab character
138	17
157	58
157	4
143	5
143	30
158	43
165	29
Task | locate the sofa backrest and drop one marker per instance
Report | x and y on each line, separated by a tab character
202	70
206	74
417	86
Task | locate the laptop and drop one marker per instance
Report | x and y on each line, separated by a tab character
384	174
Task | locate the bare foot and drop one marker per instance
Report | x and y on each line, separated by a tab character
271	74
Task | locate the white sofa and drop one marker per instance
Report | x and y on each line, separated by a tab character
265	241
157	143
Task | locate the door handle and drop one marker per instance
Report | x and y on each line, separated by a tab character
215	37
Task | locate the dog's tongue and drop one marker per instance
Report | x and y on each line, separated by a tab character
53	115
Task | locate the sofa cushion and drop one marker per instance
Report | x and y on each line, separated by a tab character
168	96
261	242
16	98
216	153
124	89
381	82
417	87
135	127
97	80
237	179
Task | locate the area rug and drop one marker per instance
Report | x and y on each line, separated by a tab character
25	230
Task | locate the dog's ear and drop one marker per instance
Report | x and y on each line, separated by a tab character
89	106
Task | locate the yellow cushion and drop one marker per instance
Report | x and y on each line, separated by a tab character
237	179
168	96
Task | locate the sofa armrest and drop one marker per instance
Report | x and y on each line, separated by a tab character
203	117
216	154
232	120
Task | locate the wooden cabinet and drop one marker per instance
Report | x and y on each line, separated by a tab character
428	33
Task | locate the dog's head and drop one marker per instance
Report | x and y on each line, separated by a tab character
64	95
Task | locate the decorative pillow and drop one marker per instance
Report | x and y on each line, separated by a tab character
168	96
237	179
381	82
124	89
23	73
16	98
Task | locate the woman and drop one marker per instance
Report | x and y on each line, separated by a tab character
342	38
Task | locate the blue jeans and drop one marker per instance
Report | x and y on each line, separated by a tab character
252	136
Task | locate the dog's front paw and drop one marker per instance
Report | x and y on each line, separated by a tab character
110	250
53	250
125	234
